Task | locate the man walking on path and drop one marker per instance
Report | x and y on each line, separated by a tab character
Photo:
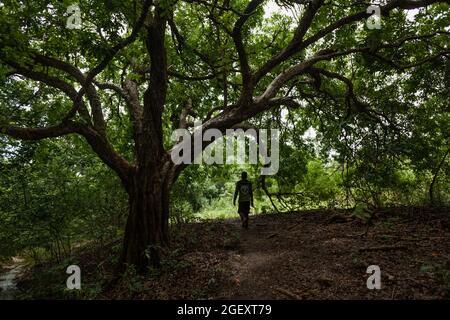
244	190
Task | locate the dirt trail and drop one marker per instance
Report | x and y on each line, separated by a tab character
319	255
250	259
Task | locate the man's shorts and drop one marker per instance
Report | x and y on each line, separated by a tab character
244	207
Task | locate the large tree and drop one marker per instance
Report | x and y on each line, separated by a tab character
222	62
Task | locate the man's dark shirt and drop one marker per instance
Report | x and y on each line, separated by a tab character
244	191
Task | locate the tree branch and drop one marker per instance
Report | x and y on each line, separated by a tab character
247	78
298	44
39	133
295	45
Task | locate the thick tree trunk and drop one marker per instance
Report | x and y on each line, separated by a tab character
146	231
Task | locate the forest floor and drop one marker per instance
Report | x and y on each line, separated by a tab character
8	275
321	254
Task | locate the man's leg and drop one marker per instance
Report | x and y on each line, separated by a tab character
242	218
246	213
241	213
245	224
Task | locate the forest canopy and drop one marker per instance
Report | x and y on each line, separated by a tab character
89	98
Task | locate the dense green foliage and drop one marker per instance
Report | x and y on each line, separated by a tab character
56	194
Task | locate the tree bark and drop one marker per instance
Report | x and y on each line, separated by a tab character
146	231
